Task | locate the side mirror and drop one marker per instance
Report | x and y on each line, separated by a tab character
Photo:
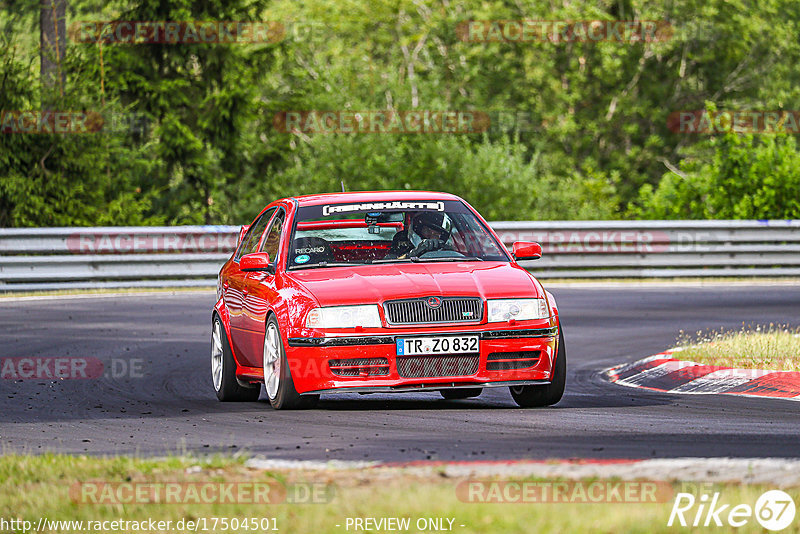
257	261
243	230
526	250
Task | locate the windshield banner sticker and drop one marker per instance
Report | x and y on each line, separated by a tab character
368	206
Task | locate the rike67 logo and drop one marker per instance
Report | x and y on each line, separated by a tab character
774	510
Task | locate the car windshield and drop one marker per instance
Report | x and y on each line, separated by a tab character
389	232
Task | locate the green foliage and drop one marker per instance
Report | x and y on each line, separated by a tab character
593	143
66	180
747	178
498	178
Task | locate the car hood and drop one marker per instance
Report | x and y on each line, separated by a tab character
362	284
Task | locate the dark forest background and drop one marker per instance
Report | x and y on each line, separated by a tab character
589	138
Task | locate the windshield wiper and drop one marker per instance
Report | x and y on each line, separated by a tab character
417	259
326	264
392	260
450	258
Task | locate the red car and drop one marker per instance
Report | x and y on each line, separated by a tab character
381	292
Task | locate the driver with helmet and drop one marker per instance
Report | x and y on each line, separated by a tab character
427	231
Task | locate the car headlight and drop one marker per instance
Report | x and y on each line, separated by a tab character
502	310
344	317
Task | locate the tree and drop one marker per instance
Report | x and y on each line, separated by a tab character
748	177
53	44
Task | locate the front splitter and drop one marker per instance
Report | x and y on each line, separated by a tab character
429	387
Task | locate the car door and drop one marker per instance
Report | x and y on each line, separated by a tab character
235	294
262	291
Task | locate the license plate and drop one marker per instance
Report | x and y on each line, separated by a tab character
410	346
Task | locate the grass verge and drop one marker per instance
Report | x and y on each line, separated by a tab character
32	487
774	347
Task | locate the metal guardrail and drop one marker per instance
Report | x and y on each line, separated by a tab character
68	258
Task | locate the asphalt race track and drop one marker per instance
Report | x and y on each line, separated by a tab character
167	405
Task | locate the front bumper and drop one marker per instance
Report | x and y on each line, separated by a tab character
309	359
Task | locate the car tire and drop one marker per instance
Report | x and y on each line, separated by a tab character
461	393
278	381
537	396
223	369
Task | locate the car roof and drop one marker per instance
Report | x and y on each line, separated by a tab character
371	196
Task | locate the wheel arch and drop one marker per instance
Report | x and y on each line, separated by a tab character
280	310
222	312
282	317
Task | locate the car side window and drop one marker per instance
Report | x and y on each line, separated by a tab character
273	239
253	236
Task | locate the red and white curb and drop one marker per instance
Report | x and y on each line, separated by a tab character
662	372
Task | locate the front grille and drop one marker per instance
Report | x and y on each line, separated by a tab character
505	361
360	367
451	310
436	366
